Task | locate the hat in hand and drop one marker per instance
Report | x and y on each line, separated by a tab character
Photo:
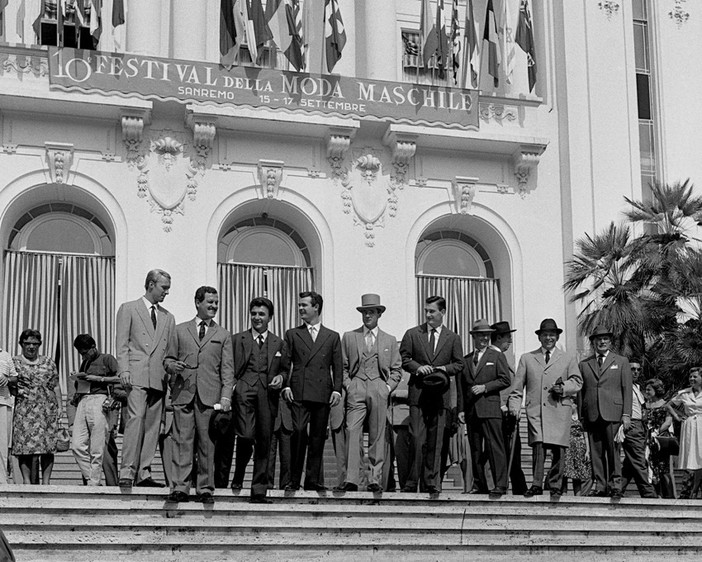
436	381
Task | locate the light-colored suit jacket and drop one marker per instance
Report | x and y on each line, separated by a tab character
389	361
213	359
607	391
140	348
549	416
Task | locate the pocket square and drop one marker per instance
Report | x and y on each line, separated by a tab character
277	354
614	367
488	364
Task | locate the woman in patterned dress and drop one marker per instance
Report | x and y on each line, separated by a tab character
577	459
37	409
658	423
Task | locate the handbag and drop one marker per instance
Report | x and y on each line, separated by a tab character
63	440
667	445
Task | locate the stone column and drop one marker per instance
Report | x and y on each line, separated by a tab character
144	26
189	29
381	39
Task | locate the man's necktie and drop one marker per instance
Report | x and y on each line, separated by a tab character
313	333
202	330
369	341
432	339
600	360
476	357
548	356
260	341
153	315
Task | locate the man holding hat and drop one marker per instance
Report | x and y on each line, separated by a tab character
485	374
552	380
431	353
372	370
606	405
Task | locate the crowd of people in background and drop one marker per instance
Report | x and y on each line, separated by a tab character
209	399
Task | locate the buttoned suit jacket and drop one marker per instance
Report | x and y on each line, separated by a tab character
389	362
316	366
491	371
415	352
140	348
213	377
548	416
606	392
277	357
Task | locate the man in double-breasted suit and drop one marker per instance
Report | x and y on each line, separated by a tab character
372	370
552	380
143	329
606	405
485	374
314	385
260	366
430	352
200	362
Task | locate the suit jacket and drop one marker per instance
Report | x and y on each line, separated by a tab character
606	392
493	372
316	367
277	356
389	363
415	352
549	416
140	348
398	409
213	377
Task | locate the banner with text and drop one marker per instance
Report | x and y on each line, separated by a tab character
245	86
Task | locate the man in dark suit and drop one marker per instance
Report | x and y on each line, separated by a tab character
280	447
485	374
143	330
200	361
397	438
260	366
372	370
606	405
314	385
429	351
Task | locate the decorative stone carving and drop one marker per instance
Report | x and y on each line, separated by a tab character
204	131
404	147
678	14
502	188
526	159
314	172
108	156
610	8
464	191
132	137
270	174
497	112
338	143
59	156
9	148
25	64
421	181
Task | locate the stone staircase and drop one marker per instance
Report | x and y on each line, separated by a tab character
65	523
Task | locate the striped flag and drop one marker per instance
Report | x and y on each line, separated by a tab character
257	31
96	21
455	41
471	51
442	47
525	39
285	22
117	13
507	43
490	35
427	33
231	31
334	33
78	18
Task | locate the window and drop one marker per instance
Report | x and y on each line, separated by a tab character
453	254
60	29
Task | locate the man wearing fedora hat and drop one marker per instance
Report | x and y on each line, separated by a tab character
552	380
372	370
429	352
606	405
485	373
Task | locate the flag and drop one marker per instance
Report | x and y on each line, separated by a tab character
285	22
471	51
507	43
78	18
441	38
257	31
117	13
278	23
96	21
490	35
19	20
427	34
455	41
525	39
231	31
334	33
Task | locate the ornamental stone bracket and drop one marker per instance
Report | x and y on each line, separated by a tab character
338	143
59	157
270	175
404	147
525	160
132	135
464	191
204	132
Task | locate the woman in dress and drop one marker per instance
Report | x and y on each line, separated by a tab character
577	459
37	409
658	424
690	399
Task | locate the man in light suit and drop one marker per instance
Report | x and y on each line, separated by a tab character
260	366
314	385
606	405
200	361
429	352
143	329
552	380
372	370
485	374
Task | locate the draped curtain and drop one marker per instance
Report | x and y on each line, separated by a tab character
239	283
467	299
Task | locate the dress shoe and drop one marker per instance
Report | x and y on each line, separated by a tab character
236	486
149	483
206	498
292	487
433	490
597	494
316	488
259	498
177	497
477	491
125	482
409	490
616	494
556	494
347	487
375	488
498	492
534	491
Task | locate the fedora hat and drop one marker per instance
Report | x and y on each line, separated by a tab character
501	328
436	381
370	300
601	331
548	325
481	327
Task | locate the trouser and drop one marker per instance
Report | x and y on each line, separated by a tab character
281	440
397	452
487	432
90	431
635	466
555	475
5	440
316	415
513	449
191	434
141	432
604	452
